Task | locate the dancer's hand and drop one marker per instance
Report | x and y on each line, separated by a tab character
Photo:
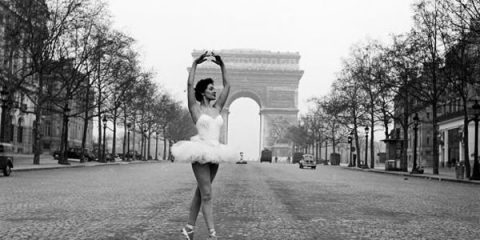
201	58
218	60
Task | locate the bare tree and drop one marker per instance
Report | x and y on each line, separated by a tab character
44	26
432	85
352	102
461	61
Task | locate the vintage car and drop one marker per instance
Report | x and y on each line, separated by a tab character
6	158
266	156
76	153
307	161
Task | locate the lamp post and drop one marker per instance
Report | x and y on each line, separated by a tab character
129	125
476	167
104	159
3	96
350	163
64	158
365	163
415	141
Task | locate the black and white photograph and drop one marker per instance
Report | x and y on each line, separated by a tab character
239	119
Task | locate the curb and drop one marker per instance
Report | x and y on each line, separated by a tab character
28	169
403	174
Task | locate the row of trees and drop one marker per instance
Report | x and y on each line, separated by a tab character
435	62
67	60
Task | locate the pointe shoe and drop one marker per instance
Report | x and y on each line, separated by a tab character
187	233
212	235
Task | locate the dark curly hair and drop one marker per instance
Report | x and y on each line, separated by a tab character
201	87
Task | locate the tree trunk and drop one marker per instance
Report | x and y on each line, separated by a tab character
37	148
466	149
156	146
142	143
125	133
320	146
114	141
406	114
85	125
333	140
164	145
37	137
169	150
133	139
404	159
149	144
357	145
99	120
64	138
435	138
372	140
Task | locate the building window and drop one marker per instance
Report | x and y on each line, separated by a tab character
47	129
428	115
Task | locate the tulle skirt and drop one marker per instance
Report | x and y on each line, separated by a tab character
203	151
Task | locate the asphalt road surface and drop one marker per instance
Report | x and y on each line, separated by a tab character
252	201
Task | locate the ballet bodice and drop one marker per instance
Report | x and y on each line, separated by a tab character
209	127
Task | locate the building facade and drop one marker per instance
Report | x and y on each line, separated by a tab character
17	118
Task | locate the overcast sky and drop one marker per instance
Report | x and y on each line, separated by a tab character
321	31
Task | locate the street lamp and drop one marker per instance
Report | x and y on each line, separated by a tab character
129	125
64	158
476	167
104	159
365	164
350	163
415	168
3	96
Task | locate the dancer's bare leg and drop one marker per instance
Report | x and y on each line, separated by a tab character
205	173
196	201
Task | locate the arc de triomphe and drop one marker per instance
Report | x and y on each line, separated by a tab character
271	80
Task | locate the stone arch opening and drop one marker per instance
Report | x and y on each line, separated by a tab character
244	127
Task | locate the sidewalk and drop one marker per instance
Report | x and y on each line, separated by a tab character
24	162
445	174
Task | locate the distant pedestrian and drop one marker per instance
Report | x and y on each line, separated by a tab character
204	150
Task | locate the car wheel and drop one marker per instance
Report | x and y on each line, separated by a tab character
301	166
314	168
7	170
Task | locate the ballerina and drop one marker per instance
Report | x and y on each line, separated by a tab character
204	150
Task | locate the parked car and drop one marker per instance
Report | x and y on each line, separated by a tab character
266	156
6	158
110	157
307	161
76	153
131	154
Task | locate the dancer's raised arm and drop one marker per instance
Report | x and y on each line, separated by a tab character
191	77
226	85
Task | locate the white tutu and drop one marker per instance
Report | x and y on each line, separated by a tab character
204	147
